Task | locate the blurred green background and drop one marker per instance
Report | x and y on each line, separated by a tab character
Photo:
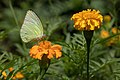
55	16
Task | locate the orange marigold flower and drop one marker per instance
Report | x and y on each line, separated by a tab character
87	20
11	69
115	30
18	75
45	48
104	34
107	18
4	73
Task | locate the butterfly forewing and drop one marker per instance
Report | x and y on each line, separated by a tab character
32	27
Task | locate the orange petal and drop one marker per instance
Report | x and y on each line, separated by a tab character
50	53
39	55
45	44
50	56
45	51
56	47
58	53
34	49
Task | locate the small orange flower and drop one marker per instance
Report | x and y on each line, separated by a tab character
4	73
45	48
87	20
11	69
114	30
18	75
104	34
107	18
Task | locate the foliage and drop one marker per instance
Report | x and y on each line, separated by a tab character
55	16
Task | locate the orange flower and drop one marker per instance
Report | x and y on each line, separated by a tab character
4	73
87	20
11	69
107	18
104	34
18	75
115	30
45	48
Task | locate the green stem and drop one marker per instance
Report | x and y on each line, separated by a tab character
44	73
88	36
44	65
88	62
11	7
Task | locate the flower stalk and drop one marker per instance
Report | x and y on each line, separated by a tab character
44	65
88	36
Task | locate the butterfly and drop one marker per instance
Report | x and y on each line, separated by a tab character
32	27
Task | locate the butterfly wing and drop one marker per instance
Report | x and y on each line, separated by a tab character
32	27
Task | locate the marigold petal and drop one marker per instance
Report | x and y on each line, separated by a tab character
56	47
50	55
45	44
34	49
45	51
37	56
58	53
